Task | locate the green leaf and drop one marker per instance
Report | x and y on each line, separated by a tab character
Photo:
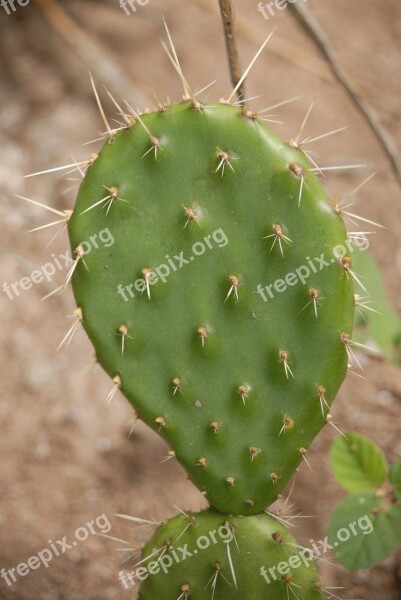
394	476
383	329
364	533
358	464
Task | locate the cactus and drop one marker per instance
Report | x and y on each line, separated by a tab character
208	208
208	555
221	304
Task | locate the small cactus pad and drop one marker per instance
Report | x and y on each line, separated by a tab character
208	555
212	295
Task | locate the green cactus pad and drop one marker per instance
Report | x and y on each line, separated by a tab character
198	214
207	555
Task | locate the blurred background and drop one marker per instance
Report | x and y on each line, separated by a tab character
67	457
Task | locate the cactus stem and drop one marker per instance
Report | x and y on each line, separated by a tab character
113	391
225	159
284	360
77	315
278	236
235	283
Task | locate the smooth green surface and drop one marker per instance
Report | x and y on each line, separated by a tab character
245	337
394	476
252	548
364	550
358	464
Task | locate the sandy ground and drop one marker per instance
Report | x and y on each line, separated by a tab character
66	457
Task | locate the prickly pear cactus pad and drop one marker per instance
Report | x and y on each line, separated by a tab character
217	306
225	559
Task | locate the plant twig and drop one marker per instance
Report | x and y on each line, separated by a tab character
228	16
312	27
280	47
89	50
